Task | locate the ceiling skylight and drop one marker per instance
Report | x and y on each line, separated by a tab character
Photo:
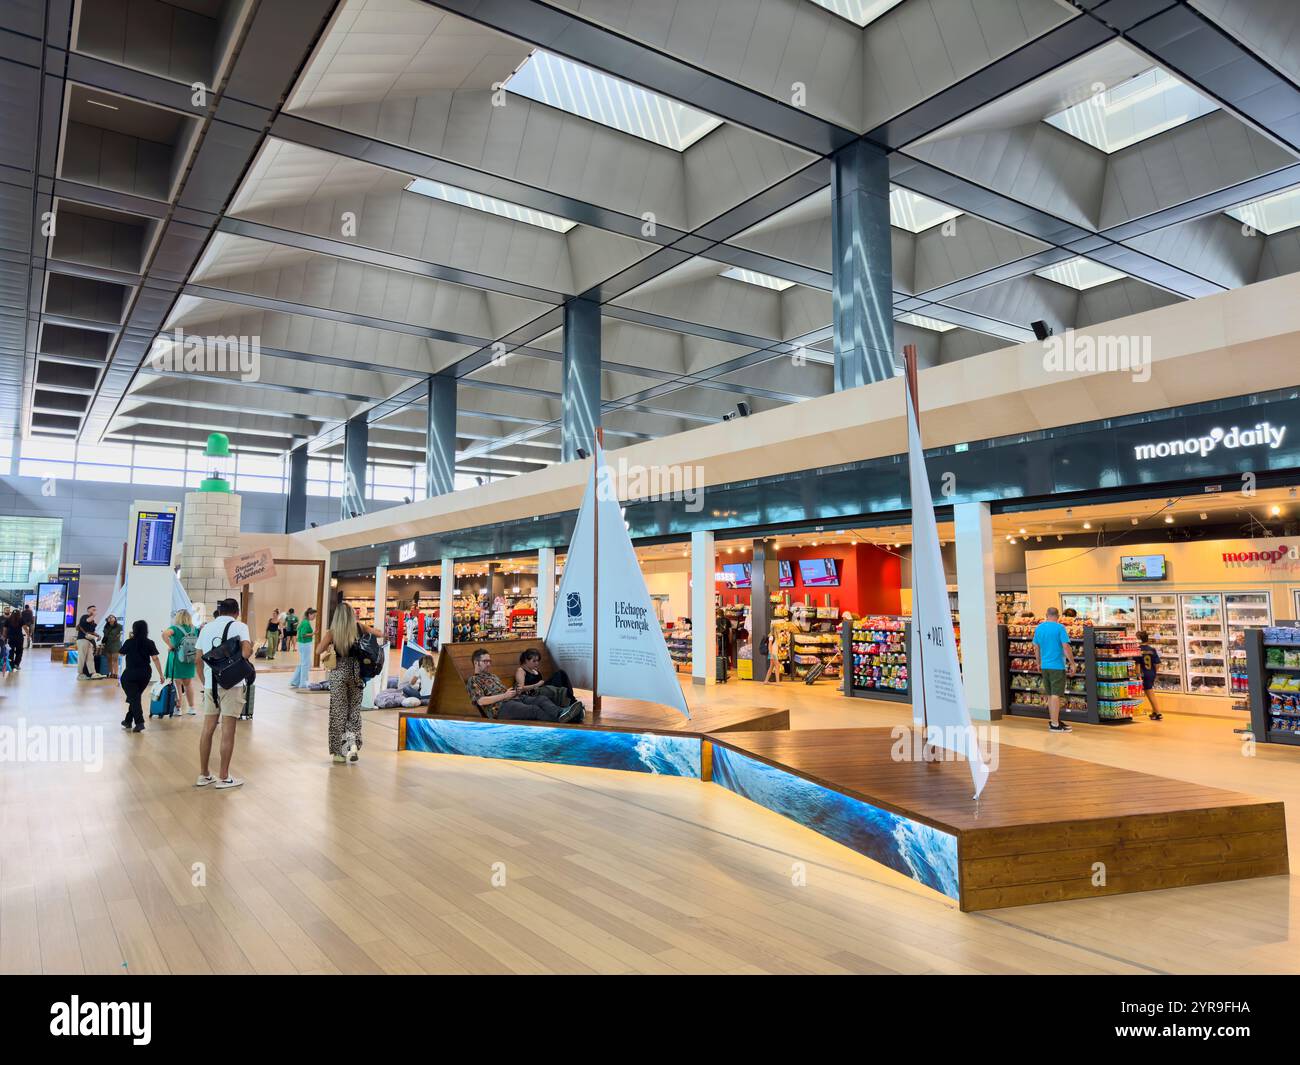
451	194
1132	111
922	322
579	90
915	213
1080	274
1271	214
753	277
859	11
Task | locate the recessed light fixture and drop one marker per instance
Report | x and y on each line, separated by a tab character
753	277
1169	519
437	190
1204	515
1059	536
1012	540
1276	510
598	97
1022	532
1087	525
1132	521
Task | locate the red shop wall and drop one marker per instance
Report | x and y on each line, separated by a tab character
869	578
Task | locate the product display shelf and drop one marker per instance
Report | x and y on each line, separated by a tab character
1102	689
1273	683
1010	605
875	651
823	645
679	648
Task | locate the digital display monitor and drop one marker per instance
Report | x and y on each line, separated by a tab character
819	573
154	531
1142	568
50	599
739	572
785	575
70	610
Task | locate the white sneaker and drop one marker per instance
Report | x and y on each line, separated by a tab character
339	759
204	780
190	712
98	676
229	782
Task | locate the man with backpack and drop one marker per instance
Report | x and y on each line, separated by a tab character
225	670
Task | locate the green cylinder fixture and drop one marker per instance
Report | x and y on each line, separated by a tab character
219	460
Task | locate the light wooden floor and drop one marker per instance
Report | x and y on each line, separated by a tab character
388	866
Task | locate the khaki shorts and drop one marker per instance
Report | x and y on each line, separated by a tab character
1054	682
231	700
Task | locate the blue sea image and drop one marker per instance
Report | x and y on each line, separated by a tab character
638	752
909	847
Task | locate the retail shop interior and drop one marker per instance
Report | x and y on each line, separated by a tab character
1196	576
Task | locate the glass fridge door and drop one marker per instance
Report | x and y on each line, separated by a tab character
1205	644
1119	610
1158	615
1245	610
1088	606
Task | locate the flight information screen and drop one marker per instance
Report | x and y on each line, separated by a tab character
154	531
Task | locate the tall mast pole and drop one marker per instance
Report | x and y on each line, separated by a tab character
595	576
918	685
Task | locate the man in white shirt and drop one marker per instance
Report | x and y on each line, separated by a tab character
228	703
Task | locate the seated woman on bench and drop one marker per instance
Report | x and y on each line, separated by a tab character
528	677
493	699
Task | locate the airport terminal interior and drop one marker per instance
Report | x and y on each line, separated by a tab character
711	487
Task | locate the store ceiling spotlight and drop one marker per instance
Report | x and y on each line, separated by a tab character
1276	510
1087	525
1132	521
1022	532
1169	519
1204	515
741	411
1012	540
1059	536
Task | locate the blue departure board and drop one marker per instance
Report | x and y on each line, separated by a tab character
154	531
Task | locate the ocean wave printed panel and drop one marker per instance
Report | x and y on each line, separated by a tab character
637	752
906	846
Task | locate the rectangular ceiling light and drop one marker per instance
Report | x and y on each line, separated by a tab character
1272	214
922	322
1080	274
859	11
590	94
451	194
753	277
1132	111
915	213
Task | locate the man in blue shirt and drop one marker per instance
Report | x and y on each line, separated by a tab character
1052	653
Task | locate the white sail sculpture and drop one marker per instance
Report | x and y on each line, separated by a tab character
938	698
604	631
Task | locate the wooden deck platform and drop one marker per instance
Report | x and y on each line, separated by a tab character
1046	828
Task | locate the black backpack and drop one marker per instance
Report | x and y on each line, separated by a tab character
227	662
369	653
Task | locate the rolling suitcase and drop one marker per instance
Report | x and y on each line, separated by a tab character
164	703
814	673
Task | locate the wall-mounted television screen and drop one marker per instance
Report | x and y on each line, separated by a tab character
739	572
785	574
819	573
1143	568
49	604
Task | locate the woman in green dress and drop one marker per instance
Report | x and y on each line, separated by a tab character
180	657
112	645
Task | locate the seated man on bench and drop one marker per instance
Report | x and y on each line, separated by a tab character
493	699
